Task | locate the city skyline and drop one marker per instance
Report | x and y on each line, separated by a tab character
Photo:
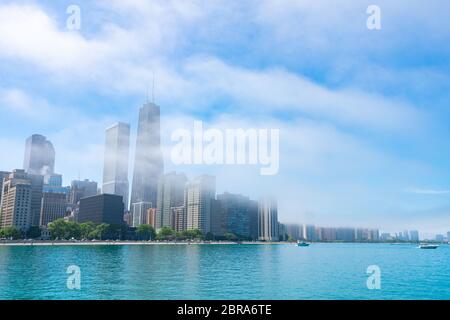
364	141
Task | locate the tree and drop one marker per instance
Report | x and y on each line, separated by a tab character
99	232
193	234
10	233
209	236
230	236
33	232
165	233
145	232
58	229
86	228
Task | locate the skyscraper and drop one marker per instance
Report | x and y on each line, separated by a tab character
115	169
54	206
268	220
21	200
237	214
82	189
39	155
170	194
148	162
139	212
102	208
198	198
3	175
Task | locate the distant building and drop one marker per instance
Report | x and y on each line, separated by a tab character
151	217
53	207
440	237
170	194
39	155
115	168
139	212
237	214
148	162
309	232
128	218
3	175
82	189
414	235
268	220
328	234
294	231
448	236
102	208
385	237
198	199
179	218
345	234
16	201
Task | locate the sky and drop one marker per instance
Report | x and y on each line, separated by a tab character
363	114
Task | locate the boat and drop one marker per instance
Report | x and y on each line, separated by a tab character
302	244
428	246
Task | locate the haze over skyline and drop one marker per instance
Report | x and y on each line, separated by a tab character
363	115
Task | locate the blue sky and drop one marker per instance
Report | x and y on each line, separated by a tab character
363	115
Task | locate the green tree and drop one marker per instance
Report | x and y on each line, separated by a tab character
10	233
86	228
58	229
99	232
209	236
165	233
145	232
33	232
230	236
193	234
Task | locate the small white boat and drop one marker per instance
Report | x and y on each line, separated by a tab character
428	246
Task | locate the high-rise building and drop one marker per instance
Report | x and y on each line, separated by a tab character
139	212
309	232
82	189
345	234
440	237
3	175
115	169
414	235
54	206
268	229
198	198
16	201
237	214
151	217
294	231
178	218
102	208
148	162
39	155
448	236
170	194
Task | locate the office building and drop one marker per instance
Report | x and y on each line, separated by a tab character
115	168
39	155
102	208
53	207
148	162
237	214
309	232
82	189
139	212
268	220
414	235
16	201
170	194
151	217
198	198
179	218
3	175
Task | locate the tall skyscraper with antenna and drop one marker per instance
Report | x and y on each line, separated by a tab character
148	162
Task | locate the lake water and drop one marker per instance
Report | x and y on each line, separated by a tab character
321	271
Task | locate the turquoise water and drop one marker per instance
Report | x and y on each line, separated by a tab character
321	271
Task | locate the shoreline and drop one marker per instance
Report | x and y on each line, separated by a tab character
168	243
